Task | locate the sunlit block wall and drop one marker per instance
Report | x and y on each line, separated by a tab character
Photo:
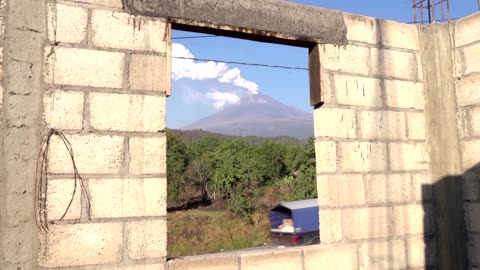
107	80
467	53
370	146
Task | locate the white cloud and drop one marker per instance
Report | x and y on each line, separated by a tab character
189	69
220	99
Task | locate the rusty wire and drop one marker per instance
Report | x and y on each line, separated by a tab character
41	184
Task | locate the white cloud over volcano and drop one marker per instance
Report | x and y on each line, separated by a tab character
220	99
190	69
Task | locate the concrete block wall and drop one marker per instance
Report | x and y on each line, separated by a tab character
372	161
371	152
106	82
467	52
101	76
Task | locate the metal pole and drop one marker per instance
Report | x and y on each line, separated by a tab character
415	11
429	12
434	18
448	9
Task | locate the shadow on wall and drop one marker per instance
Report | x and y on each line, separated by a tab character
452	242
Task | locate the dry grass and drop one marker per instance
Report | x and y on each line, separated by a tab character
195	232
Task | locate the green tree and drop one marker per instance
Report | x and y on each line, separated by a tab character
198	175
177	161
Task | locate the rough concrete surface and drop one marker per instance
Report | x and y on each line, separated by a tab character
437	59
20	132
273	18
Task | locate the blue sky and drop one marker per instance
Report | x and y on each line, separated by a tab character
200	89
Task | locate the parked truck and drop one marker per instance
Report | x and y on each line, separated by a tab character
295	223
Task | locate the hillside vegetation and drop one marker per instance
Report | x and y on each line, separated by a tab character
232	182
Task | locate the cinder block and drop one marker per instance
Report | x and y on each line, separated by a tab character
124	31
58	197
107	3
113	198
363	156
421	253
474	114
124	112
331	226
148	72
209	262
63	109
416	125
393	64
365	223
148	155
343	257
467	30
388	188
467	90
27	14
66	23
422	186
93	154
359	91
361	28
399	35
1	63
384	125
351	59
16	244
23	78
326	88
383	255
419	66
284	259
147	239
403	94
19	209
340	190
462	123
83	244
82	67
472	216
471	153
459	63
408	156
338	123
411	219
326	156
27	39
471	55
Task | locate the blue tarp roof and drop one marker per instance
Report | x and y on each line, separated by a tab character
299	204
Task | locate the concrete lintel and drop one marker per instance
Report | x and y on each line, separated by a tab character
275	21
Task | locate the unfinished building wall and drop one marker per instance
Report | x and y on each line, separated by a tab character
106	78
467	55
370	145
372	162
100	76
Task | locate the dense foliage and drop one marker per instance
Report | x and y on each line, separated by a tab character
248	175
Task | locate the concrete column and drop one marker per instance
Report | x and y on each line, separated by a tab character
442	137
21	131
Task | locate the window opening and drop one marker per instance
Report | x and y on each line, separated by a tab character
240	146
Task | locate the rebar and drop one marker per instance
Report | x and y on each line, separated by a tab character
437	11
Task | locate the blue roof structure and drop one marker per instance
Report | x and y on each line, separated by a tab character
300	204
